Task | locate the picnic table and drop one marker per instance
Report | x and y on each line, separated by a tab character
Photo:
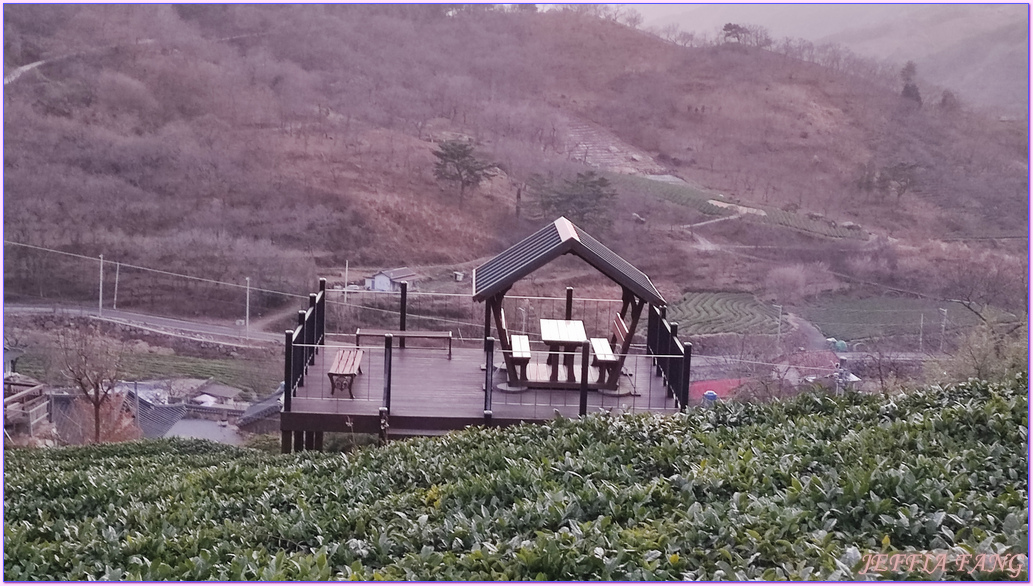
568	334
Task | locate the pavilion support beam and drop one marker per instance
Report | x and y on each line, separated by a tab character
627	299
487	319
636	313
500	326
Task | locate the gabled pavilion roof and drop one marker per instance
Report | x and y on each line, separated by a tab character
559	238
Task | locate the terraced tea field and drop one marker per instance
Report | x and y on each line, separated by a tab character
700	313
856	319
680	194
700	200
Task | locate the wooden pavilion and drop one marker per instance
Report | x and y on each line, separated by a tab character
492	280
434	388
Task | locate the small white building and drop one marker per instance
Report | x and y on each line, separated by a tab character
390	280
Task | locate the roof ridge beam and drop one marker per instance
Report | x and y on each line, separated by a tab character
566	229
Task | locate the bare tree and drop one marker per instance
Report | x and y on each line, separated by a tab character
879	364
93	365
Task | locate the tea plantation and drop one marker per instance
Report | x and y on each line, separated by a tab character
801	489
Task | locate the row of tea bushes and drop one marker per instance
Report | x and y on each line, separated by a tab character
807	488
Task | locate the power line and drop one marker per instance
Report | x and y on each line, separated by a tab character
159	271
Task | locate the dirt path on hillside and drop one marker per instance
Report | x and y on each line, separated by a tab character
815	339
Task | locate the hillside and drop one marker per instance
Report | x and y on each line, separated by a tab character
815	487
275	142
979	51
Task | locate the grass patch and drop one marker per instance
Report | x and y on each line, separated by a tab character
238	373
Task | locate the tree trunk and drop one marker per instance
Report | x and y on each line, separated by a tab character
96	422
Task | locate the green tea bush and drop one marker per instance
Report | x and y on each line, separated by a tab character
807	488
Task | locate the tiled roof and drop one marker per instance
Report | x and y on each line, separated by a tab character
264	408
154	419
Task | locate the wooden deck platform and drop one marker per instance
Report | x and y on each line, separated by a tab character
430	393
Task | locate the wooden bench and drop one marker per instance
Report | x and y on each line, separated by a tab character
521	354
603	354
426	334
347	364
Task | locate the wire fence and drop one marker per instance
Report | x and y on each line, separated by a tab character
34	274
350	310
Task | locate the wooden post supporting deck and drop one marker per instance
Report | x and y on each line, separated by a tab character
388	338
404	304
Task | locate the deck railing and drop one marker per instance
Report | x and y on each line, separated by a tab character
302	343
672	357
384	383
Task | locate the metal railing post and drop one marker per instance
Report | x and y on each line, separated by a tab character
388	341
403	303
686	372
583	401
288	370
489	360
302	340
672	364
321	313
310	329
651	328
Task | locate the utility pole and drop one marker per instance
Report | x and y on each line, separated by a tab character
943	327
114	300
247	309
921	330
100	294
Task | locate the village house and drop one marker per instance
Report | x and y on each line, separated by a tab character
391	280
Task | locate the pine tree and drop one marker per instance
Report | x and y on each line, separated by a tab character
457	164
